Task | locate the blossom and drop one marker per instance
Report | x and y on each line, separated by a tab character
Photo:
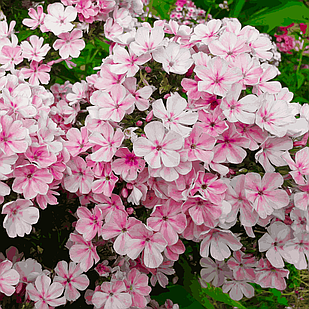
31	181
71	278
78	141
36	20
174	58
174	116
58	19
206	32
263	193
8	278
45	294
41	156
238	289
10	56
159	148
70	44
35	51
112	295
37	73
20	215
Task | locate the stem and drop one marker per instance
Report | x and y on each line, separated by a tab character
149	8
208	12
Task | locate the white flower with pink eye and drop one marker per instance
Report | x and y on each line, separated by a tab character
34	51
8	278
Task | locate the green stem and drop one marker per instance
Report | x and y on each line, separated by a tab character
208	12
149	9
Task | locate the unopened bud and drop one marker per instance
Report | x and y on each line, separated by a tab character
124	192
129	210
166	96
139	123
149	116
148	69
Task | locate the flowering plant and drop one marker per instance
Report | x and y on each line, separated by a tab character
181	137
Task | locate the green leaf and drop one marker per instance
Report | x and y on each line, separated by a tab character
283	15
239	4
162	7
300	79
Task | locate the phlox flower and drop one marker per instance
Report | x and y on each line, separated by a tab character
79	92
19	217
83	252
127	62
6	163
70	44
41	156
218	242
34	51
174	58
37	73
172	252
90	222
58	19
10	56
139	188
264	193
128	165
159	273
274	242
28	270
301	199
237	289
159	148
230	146
242	110
31	181
8	278
86	8
137	286
79	177
168	220
174	116
107	79
6	32
112	105
147	40
111	206
217	77
49	198
78	141
45	294
71	278
112	295
106	143
151	244
112	30
205	33
36	20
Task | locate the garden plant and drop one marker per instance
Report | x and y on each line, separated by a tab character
153	154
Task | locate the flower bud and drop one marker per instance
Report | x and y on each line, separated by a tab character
149	116
148	69
139	123
130	211
124	192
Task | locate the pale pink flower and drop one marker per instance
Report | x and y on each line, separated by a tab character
242	110
28	270
264	193
174	58
83	252
31	181
78	141
10	56
79	92
175	117
301	199
147	40
159	273
80	176
36	20
146	241
70	44
168	220
71	278
111	206
230	146
137	287
90	222
107	79
173	252
238	289
217	77
19	217
86	8
8	278
112	30
41	156
58	19
128	165
111	105
106	143
34	51
159	148
37	73
45	294
112	295
127	62
205	33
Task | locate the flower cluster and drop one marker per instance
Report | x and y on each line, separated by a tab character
179	137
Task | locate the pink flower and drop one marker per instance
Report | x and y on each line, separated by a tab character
264	195
112	30
205	33
113	295
80	176
78	141
8	278
19	217
217	77
137	287
35	51
129	164
41	156
301	199
10	56
127	62
238	289
83	252
89	223
106	143
45	294
37	19
159	148
70	44
31	181
58	19
37	73
168	220
14	138
71	279
107	80
111	206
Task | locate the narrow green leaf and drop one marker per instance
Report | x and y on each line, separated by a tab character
239	4
300	79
